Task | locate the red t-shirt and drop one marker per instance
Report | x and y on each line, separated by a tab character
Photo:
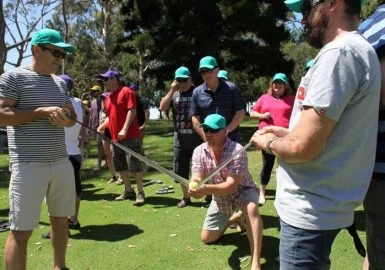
117	105
279	109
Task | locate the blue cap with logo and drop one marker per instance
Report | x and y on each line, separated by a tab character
110	74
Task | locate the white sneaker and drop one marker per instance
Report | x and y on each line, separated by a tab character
261	201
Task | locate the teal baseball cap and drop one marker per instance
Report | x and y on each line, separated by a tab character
207	62
52	37
295	5
223	74
214	121
281	77
309	64
182	72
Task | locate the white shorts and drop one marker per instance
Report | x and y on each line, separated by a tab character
31	182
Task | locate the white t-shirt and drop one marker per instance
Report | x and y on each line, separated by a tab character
72	133
343	85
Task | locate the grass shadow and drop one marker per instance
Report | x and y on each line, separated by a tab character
109	232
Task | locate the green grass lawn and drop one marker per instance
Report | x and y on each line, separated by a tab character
158	235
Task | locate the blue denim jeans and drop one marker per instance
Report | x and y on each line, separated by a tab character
305	249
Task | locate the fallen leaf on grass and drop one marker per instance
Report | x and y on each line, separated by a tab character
131	246
189	249
173	235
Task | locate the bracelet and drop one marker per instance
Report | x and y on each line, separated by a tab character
268	144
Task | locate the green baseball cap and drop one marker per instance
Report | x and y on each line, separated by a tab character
295	5
281	77
52	37
309	64
223	74
207	62
214	121
182	72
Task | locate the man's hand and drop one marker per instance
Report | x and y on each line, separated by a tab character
122	134
266	115
277	131
60	117
198	192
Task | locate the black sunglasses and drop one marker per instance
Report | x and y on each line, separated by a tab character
182	80
54	52
307	5
206	129
204	71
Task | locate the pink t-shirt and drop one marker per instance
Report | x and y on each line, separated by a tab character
279	109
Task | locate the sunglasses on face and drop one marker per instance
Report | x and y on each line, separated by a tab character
207	129
182	80
55	53
106	79
204	71
307	5
279	82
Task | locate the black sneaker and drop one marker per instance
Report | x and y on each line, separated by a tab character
74	225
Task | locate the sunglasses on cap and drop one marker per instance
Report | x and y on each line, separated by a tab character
307	5
211	130
182	80
204	71
54	52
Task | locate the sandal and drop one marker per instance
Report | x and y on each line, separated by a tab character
165	190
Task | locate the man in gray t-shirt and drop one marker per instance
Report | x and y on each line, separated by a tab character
326	156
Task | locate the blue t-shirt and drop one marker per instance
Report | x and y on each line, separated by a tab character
226	101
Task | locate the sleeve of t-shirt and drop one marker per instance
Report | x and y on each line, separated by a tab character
237	99
130	97
258	105
8	86
333	82
194	110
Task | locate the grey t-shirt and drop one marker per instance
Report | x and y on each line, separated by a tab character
343	85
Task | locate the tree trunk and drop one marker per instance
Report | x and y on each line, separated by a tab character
3	49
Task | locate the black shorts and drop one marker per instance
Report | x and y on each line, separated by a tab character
76	161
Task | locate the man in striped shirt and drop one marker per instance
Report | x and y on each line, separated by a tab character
35	106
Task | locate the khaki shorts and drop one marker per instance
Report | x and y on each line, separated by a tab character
217	221
31	182
126	162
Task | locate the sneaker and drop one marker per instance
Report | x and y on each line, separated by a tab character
74	225
112	179
126	195
184	202
139	199
261	201
119	181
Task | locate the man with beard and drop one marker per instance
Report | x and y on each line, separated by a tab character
326	156
35	106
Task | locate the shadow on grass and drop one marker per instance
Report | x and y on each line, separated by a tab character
269	251
109	232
